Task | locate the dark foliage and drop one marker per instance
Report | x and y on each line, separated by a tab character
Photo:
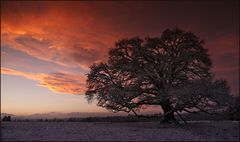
172	71
6	118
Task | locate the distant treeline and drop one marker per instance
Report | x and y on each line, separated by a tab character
6	118
132	118
129	118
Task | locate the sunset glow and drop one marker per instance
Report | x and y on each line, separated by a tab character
47	47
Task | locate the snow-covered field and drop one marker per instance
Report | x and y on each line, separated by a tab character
137	131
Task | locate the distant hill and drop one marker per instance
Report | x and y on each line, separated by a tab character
98	115
6	114
60	115
51	115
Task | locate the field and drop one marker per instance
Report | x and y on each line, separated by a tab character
109	131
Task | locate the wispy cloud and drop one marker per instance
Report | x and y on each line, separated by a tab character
9	71
50	33
62	83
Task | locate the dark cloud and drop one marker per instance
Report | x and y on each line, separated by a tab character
86	56
80	33
31	42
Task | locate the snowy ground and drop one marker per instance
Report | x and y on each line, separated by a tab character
137	131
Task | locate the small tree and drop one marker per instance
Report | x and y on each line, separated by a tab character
155	71
234	108
6	118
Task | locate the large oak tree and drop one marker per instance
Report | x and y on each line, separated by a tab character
172	71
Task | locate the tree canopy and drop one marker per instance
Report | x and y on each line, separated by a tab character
172	71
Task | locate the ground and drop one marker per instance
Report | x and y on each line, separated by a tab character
137	131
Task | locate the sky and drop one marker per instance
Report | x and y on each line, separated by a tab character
48	46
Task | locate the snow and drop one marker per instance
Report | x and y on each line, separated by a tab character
106	131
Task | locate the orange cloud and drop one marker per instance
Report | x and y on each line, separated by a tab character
77	34
62	83
9	71
61	33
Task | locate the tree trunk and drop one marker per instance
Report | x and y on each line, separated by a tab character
168	113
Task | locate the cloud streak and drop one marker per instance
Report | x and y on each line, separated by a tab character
76	34
63	83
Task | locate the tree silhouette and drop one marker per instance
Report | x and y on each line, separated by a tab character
6	118
172	71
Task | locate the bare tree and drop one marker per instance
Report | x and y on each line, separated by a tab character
114	89
155	71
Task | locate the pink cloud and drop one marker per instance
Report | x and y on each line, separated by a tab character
62	83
